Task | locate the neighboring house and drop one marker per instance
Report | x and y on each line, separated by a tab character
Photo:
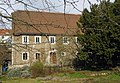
5	56
5	47
48	37
5	36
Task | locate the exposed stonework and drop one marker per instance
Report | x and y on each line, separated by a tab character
50	54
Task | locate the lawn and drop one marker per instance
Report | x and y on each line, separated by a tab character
21	80
74	77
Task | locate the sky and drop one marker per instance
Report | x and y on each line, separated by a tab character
42	5
71	7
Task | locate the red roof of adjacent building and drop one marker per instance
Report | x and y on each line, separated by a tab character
5	31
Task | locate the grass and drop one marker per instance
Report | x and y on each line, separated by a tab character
21	80
74	77
113	78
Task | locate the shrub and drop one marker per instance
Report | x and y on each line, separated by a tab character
25	74
19	72
15	72
37	69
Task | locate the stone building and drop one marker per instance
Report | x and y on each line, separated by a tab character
48	37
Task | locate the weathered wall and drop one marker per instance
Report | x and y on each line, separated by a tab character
44	48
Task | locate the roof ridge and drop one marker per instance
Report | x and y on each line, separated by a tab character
46	12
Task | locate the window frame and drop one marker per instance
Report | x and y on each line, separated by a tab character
27	56
65	40
23	40
35	40
36	57
76	40
63	53
53	38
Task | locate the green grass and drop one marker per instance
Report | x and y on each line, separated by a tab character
3	78
21	80
74	77
113	77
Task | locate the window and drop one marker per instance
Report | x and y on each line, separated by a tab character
76	39
37	39
37	56
63	53
52	39
25	56
77	53
2	37
25	39
65	40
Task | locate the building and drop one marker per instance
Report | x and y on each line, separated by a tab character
5	35
48	37
5	47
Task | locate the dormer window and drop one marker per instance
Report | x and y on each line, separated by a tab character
25	39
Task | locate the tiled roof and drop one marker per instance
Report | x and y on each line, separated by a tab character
4	31
32	22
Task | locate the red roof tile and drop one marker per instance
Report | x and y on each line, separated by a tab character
4	31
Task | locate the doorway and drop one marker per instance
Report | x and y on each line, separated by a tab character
53	58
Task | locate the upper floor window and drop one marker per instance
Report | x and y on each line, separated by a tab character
37	39
77	53
3	37
25	39
65	40
76	39
37	55
52	39
25	56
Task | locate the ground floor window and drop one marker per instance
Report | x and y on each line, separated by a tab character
37	56
25	56
63	53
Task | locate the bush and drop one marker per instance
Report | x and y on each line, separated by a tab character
25	74
15	72
19	72
37	69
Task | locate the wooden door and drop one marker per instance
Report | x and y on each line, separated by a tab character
53	59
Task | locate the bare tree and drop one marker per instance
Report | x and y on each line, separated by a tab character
9	6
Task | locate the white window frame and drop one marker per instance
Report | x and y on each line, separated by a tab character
27	56
76	40
67	40
63	53
77	53
35	55
54	39
23	39
35	40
